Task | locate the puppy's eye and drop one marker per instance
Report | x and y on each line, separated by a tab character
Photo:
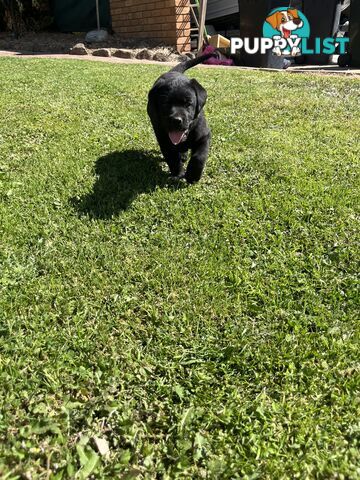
291	17
283	20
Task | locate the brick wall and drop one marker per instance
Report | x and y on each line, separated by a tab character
166	21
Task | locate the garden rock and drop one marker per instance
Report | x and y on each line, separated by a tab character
102	52
145	54
78	49
160	57
123	53
96	36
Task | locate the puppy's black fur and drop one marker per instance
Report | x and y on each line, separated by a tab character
175	107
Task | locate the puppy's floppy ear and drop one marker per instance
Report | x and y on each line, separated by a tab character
293	12
154	92
201	95
273	20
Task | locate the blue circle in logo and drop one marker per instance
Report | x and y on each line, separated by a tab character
273	22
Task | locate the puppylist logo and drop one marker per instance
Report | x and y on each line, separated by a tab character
286	31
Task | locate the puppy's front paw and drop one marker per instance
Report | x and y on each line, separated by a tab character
191	179
176	178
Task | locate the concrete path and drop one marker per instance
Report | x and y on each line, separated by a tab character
304	69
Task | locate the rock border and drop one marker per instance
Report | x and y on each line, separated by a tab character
159	54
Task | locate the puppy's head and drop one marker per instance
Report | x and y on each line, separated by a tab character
285	21
179	103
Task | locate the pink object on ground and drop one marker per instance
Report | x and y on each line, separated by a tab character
220	60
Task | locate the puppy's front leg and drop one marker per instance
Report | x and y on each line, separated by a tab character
180	167
199	154
174	160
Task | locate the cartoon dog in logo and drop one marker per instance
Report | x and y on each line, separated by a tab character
286	22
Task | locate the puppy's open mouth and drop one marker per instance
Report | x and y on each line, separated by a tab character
178	136
286	32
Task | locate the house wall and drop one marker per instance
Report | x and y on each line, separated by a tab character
166	21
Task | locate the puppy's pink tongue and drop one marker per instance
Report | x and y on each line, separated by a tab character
287	33
176	137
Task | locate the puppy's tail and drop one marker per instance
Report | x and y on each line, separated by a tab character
183	66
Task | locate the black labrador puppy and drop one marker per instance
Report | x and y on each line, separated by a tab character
175	107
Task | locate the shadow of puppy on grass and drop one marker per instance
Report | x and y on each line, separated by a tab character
120	177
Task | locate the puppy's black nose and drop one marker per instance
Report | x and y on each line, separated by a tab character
297	21
177	122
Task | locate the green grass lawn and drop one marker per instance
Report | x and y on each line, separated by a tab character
206	331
